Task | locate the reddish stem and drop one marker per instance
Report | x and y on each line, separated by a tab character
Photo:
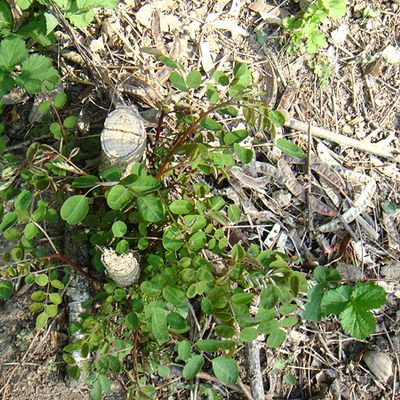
67	260
180	139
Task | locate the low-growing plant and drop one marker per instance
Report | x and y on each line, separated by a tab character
40	18
306	33
352	303
200	293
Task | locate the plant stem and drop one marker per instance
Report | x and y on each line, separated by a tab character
180	139
71	263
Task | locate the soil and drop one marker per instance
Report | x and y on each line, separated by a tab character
361	101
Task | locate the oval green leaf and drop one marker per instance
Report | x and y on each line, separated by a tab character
193	366
75	209
226	370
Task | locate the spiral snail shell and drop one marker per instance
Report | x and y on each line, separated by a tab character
123	269
123	139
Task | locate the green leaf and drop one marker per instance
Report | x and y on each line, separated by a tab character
36	307
11	234
6	19
38	295
70	122
150	208
336	300
55	129
290	379
248	334
122	246
181	207
55	298
269	297
173	295
36	29
51	310
208	345
159	326
357	322
6	289
197	241
60	100
211	124
388	207
75	209
9	220
131	321
6	84
96	391
312	310
41	279
85	181
193	80
177	81
184	350
212	94
368	295
242	298
336	8
235	136
41	321
193	223
277	118
234	213
23	4
171	238
276	338
12	52
193	366
326	275
315	41
224	331
221	78
119	197
168	62
226	370
244	155
144	184
37	75
31	231
290	148
56	284
177	323
119	228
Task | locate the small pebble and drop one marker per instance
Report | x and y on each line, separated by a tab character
379	364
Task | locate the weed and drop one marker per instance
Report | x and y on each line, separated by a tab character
190	272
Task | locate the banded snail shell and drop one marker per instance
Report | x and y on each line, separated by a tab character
123	269
123	139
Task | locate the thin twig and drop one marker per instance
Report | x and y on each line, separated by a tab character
372	148
68	261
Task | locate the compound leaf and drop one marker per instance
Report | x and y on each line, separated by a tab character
37	75
12	52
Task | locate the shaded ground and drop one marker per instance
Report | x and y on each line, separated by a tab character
361	101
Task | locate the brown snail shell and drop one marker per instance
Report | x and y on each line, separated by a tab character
123	269
123	139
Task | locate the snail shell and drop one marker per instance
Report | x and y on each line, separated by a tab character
123	139
123	269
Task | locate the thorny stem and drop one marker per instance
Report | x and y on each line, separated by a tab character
180	139
71	263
